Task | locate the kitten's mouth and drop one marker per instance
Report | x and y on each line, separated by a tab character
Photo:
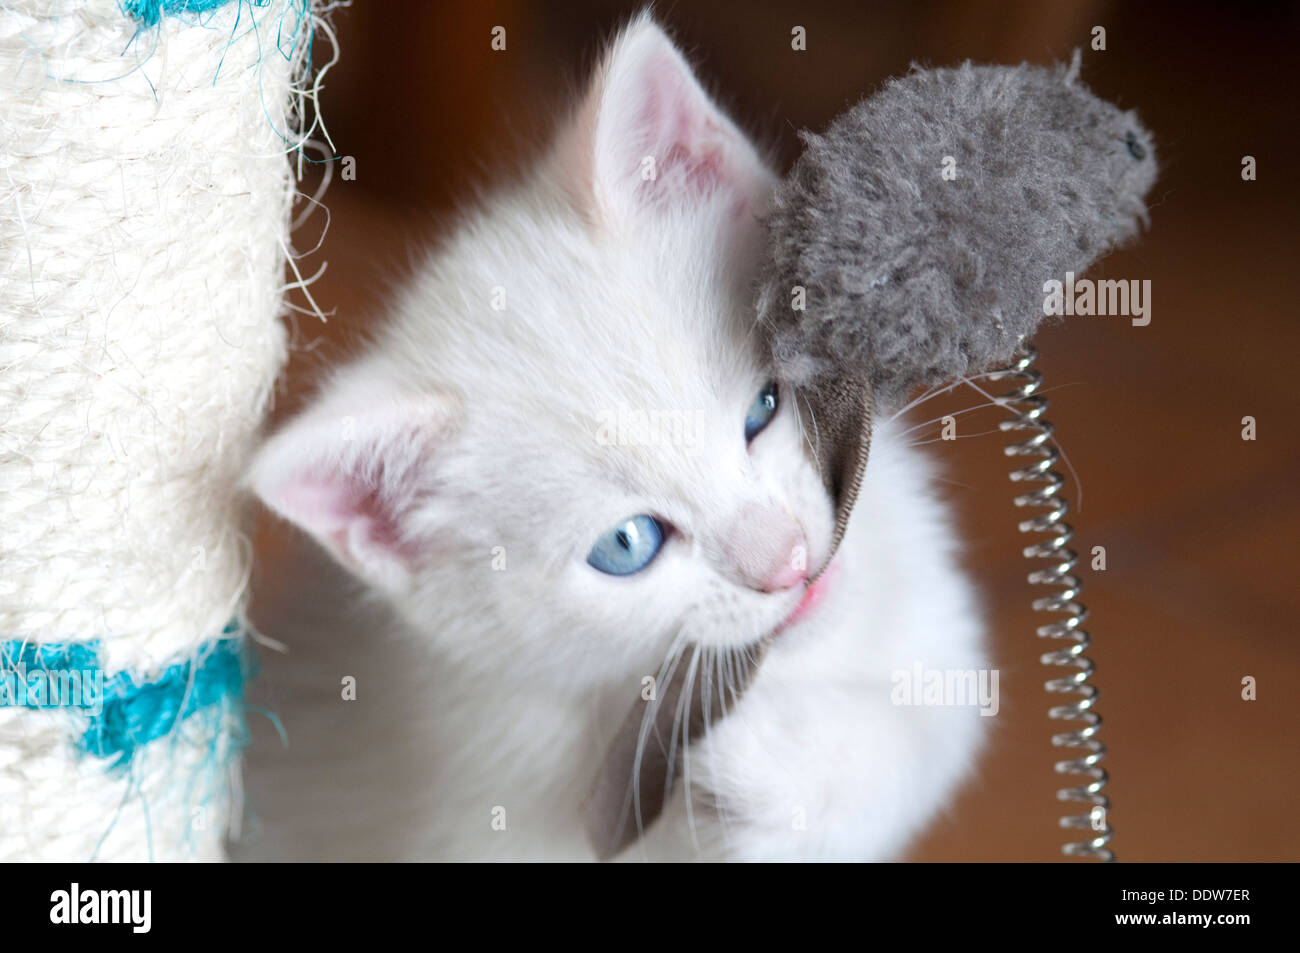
813	597
631	765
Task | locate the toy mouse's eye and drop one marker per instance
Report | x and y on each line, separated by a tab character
1135	148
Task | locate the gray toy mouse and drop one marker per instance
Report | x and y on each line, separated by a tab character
885	274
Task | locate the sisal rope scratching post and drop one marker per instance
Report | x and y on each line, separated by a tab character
145	192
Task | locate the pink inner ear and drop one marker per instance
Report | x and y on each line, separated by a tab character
702	168
645	101
340	507
676	122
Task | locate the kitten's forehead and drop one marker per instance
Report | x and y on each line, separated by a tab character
536	318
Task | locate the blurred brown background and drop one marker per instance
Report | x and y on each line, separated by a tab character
1199	526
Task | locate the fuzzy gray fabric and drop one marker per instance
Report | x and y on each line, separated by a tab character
914	280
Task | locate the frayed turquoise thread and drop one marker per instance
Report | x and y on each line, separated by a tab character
208	689
222	731
204	11
149	12
134	713
275	721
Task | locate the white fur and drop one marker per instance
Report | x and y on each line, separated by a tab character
467	435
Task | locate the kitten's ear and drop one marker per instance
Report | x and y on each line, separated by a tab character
352	472
646	135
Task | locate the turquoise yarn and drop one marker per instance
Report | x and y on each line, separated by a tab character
134	713
149	12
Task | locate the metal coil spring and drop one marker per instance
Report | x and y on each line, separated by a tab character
1029	407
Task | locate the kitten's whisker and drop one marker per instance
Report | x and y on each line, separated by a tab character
812	445
964	486
648	719
936	391
927	395
935	420
706	704
706	690
962	436
688	693
733	678
968	410
719	802
1074	474
684	702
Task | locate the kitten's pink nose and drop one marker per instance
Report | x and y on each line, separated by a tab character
767	548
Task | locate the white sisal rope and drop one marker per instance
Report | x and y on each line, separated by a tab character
145	193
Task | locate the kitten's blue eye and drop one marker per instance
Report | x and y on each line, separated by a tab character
628	547
760	412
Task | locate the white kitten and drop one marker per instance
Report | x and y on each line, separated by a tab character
467	465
